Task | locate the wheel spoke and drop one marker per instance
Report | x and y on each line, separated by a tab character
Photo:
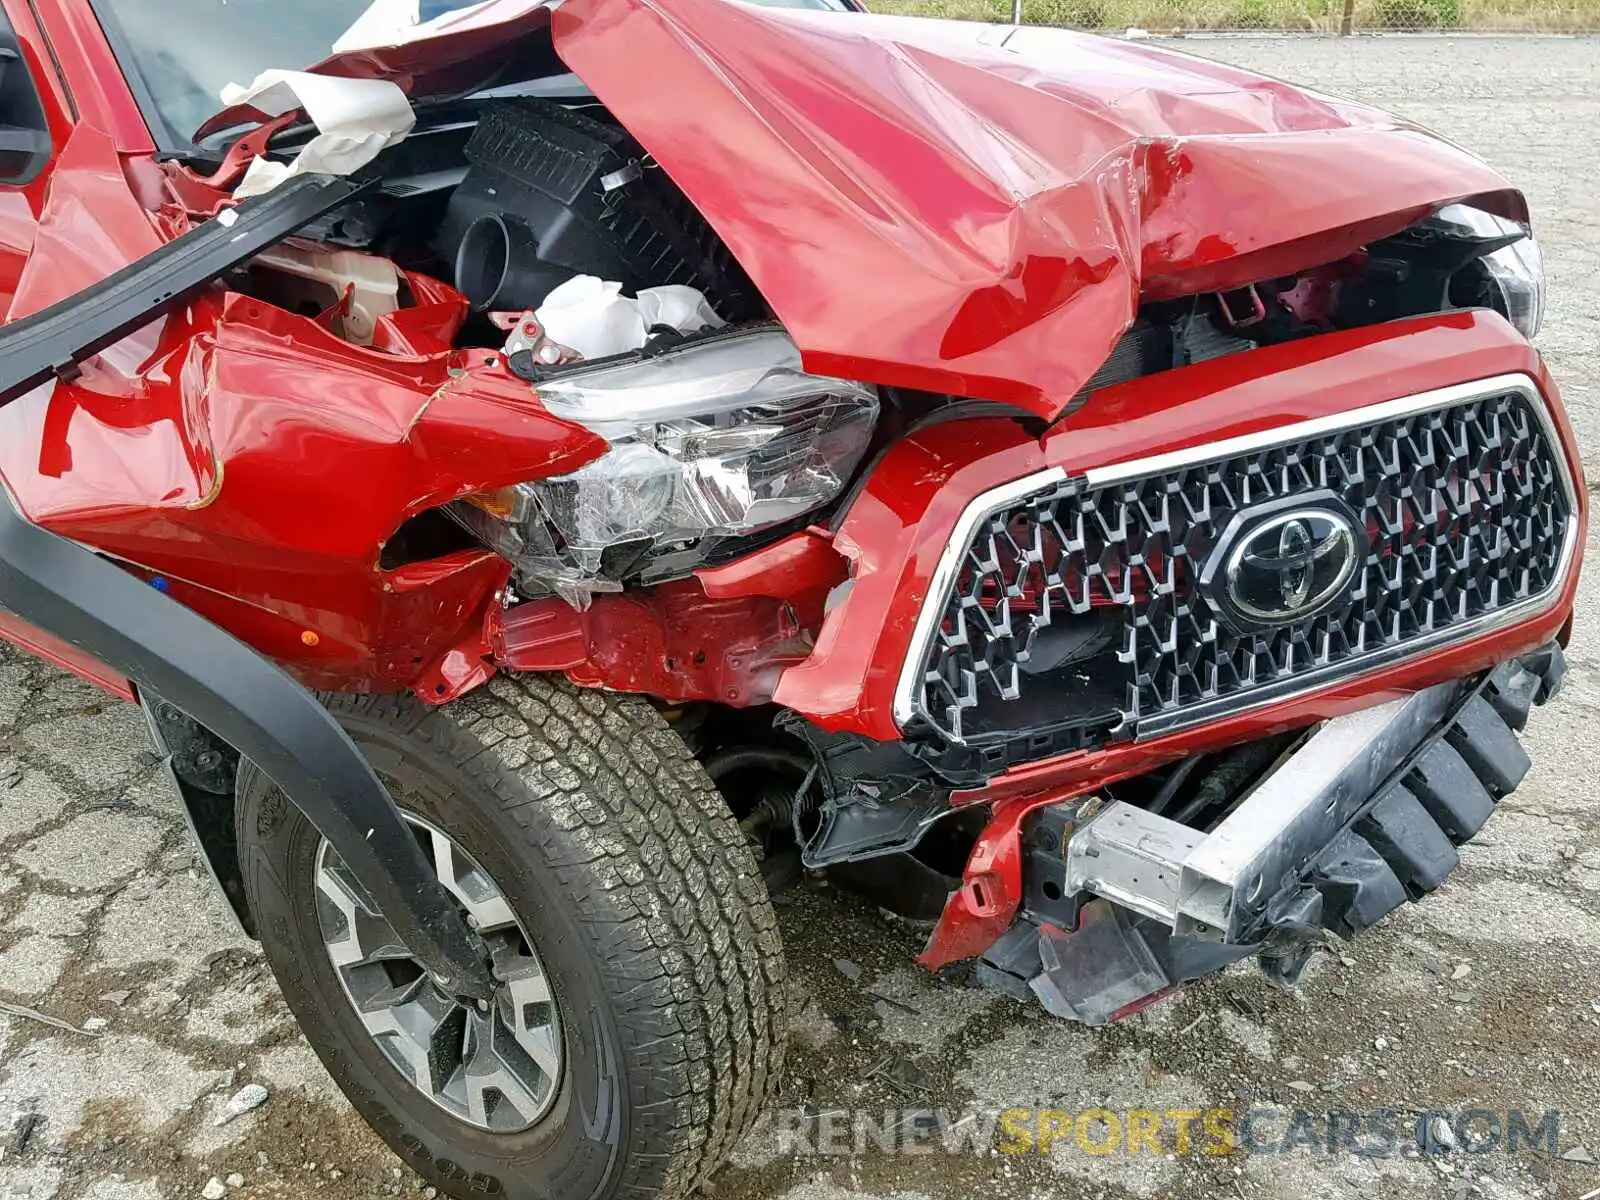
530	1017
426	1033
484	903
540	1045
532	988
490	1079
366	936
498	1069
377	1009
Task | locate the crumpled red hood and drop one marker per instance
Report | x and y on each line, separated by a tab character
979	209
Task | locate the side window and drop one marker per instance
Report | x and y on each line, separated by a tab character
24	134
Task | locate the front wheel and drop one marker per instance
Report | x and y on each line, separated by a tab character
638	1026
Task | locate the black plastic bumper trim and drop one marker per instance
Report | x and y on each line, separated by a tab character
1448	789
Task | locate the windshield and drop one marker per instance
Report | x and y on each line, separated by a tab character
180	54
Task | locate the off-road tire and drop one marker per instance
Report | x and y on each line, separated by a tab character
632	879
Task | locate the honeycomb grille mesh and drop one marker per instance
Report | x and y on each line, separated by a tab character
1465	508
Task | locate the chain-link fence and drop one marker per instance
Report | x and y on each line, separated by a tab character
1306	16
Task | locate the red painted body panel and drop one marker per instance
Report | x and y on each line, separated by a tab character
63	654
726	635
259	463
20	207
960	208
673	642
803	564
91	224
978	210
89	73
966	208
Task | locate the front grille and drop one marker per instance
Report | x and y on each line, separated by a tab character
1077	612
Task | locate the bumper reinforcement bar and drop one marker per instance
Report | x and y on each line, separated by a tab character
1123	905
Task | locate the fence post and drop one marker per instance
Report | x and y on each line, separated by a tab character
1016	12
1347	24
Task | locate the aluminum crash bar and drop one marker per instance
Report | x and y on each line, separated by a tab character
1217	886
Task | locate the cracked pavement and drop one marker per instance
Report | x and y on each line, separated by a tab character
106	916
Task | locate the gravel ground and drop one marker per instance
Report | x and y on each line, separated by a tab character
1486	995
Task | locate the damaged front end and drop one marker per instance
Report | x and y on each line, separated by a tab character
1138	647
1101	501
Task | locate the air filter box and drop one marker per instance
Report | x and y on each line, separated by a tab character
593	204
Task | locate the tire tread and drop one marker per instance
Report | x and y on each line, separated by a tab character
664	887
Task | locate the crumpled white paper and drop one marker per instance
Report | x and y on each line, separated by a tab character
590	314
355	118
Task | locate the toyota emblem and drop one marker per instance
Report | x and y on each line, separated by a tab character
1285	564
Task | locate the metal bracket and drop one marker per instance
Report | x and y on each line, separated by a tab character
1131	857
1258	308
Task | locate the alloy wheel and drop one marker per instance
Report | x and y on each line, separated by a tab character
494	1065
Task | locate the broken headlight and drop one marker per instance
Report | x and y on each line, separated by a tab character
720	439
1513	274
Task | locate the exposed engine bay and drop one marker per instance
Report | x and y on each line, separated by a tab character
608	293
548	217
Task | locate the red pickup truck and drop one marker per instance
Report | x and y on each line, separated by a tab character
551	474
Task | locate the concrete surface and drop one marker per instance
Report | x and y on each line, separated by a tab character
1486	995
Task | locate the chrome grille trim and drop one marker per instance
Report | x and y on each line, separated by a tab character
908	696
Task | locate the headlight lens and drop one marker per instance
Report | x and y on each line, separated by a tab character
1515	270
719	439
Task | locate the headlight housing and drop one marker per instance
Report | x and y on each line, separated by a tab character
719	439
1513	273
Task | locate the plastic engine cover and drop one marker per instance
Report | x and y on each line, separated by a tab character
580	188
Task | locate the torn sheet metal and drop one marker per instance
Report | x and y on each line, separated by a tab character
355	119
